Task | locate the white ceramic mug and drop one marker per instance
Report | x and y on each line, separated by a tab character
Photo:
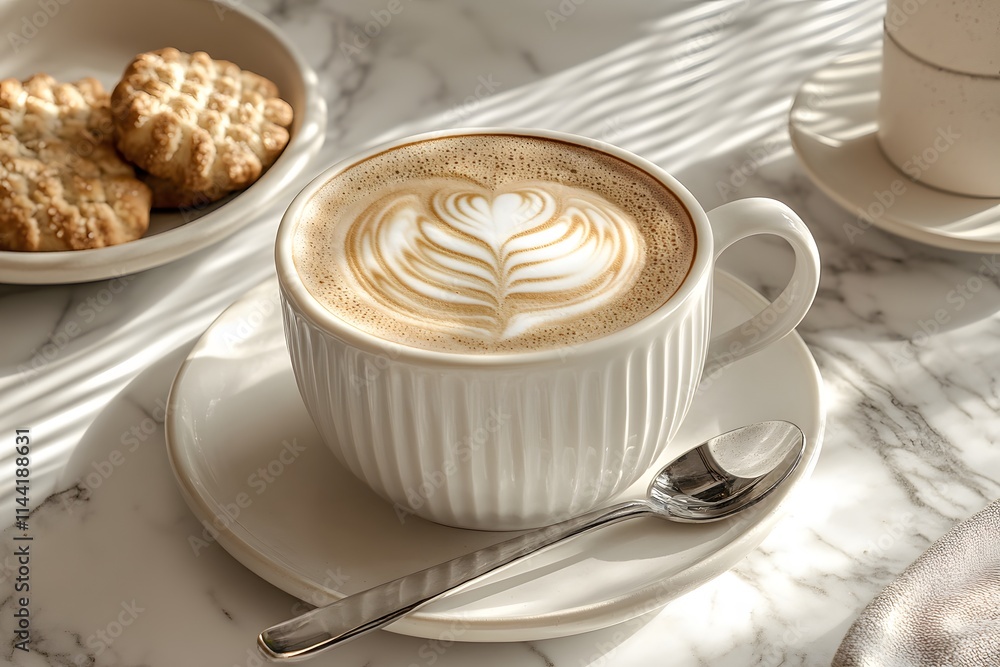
959	35
508	441
939	110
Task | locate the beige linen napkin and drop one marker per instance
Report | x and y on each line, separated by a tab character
942	611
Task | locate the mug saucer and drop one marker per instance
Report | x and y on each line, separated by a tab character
833	126
252	467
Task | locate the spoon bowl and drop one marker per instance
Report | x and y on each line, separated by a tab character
728	473
716	480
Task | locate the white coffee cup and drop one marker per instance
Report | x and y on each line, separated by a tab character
507	441
939	111
960	35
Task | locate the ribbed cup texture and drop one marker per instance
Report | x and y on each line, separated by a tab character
500	448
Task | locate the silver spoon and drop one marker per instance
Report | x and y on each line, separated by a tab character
717	479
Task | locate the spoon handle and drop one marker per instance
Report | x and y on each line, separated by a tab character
325	627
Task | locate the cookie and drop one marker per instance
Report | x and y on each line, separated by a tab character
62	184
206	126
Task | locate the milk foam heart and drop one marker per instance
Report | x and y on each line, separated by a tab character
491	265
493	243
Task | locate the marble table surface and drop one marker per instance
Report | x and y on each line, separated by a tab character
701	88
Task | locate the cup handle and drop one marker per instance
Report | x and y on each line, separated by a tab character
737	220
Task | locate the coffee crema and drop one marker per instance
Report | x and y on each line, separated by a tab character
492	243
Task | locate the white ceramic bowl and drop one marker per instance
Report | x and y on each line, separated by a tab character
71	40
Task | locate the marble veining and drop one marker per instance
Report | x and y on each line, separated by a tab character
907	337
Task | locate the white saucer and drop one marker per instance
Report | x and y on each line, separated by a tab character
832	127
98	38
316	532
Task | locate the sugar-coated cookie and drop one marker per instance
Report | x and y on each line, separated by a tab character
62	184
205	126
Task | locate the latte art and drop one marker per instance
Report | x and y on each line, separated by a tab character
490	243
492	265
